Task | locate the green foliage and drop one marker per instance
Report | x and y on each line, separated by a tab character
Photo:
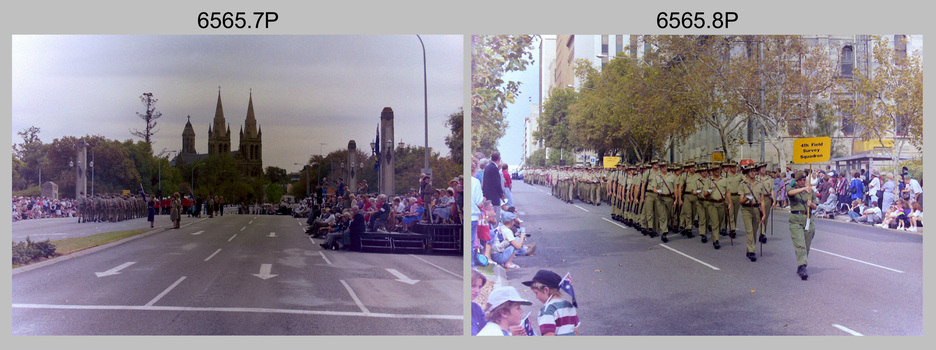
554	130
409	163
149	116
28	156
32	191
537	158
276	175
29	251
456	139
491	57
274	192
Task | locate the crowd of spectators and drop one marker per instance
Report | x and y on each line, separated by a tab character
336	215
885	199
26	208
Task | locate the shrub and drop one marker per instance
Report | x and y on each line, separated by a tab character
28	251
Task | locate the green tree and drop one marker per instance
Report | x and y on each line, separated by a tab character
274	192
276	175
537	158
554	129
889	98
149	116
491	57
32	154
456	139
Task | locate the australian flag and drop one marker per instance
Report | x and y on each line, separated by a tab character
566	286
527	326
377	151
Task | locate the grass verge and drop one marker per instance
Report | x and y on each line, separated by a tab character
71	245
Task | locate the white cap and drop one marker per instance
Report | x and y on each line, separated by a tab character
502	295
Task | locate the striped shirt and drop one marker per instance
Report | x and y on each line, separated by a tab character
558	316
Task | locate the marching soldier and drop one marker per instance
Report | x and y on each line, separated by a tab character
717	193
752	211
802	200
767	186
688	197
662	184
703	204
734	181
650	199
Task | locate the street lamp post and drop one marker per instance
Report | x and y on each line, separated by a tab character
426	108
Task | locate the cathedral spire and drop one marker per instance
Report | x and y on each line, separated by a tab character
250	124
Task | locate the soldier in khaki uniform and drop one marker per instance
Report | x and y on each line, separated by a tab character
650	199
802	200
703	203
689	191
716	191
734	181
752	207
663	185
766	185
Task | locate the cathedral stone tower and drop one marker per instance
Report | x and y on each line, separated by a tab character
250	150
219	138
188	137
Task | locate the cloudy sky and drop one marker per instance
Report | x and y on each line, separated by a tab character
307	90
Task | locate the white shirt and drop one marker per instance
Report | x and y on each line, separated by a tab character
476	198
875	185
492	328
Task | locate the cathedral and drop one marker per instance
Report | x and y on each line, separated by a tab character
249	155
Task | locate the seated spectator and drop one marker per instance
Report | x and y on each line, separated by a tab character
870	215
827	208
379	213
916	217
504	313
327	221
443	209
505	245
413	213
337	232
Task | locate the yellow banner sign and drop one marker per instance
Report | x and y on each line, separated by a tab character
812	150
611	162
126	192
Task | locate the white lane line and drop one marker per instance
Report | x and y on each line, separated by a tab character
619	225
576	205
354	296
324	257
213	254
251	221
151	302
846	330
856	260
233	309
686	255
437	266
242	228
232	237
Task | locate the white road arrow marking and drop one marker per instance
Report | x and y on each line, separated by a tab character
265	272
401	277
197	233
116	270
272	234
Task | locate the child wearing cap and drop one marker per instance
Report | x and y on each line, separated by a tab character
504	313
557	316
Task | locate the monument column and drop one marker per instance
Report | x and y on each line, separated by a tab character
387	160
353	170
81	166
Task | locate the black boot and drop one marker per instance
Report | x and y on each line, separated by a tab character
652	233
801	271
732	234
716	245
752	256
663	238
689	233
704	239
763	239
